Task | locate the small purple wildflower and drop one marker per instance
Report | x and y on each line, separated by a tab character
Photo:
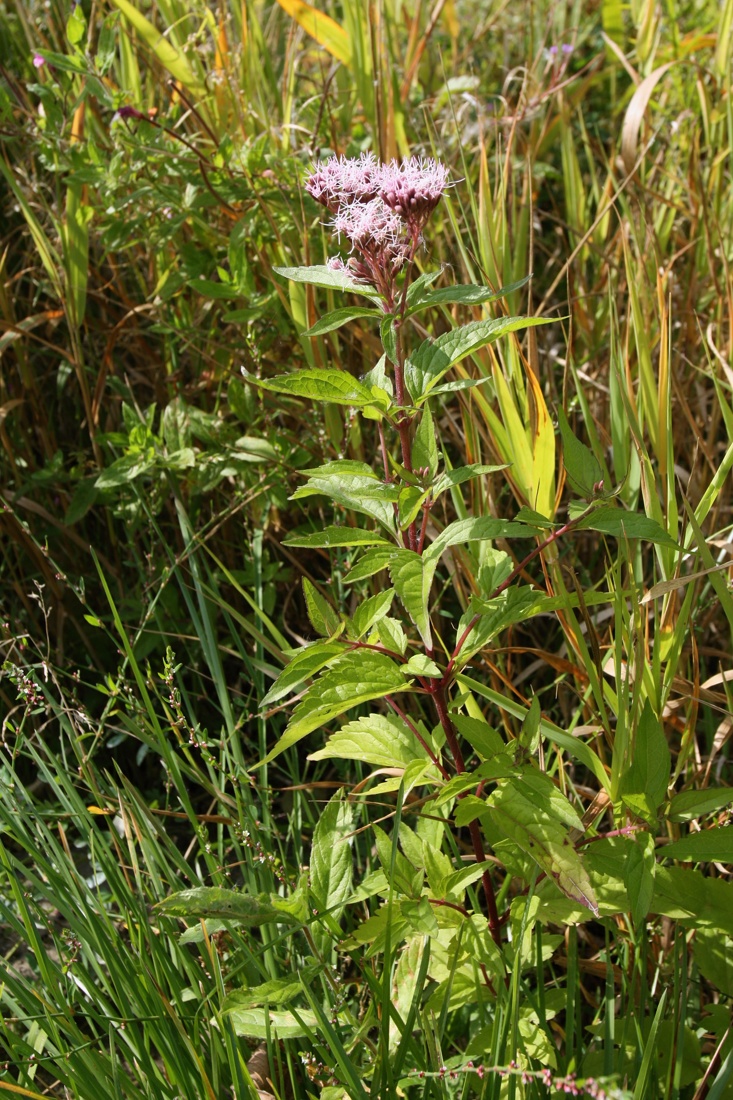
413	189
38	61
567	49
130	112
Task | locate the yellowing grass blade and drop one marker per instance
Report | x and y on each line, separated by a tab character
326	31
172	59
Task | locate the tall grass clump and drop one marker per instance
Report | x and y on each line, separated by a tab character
365	430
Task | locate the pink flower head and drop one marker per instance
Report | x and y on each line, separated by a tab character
413	188
342	180
368	222
38	61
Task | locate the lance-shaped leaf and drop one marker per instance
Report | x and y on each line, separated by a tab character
331	864
318	384
581	465
304	664
337	536
370	563
626	525
476	530
512	606
412	575
451	478
380	739
357	677
424	445
710	845
427	365
324	619
206	902
370	612
418	287
338	317
468	294
538	823
320	275
647	777
356	491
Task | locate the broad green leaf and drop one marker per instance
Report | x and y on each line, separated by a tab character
694	898
416	288
424	444
370	612
648	774
710	845
170	58
420	916
427	365
259	1023
531	820
639	871
388	336
412	575
482	737
324	619
452	478
327	32
370	563
466	294
529	735
361	494
337	536
420	665
310	660
339	317
581	466
689	805
357	677
391	635
410	502
76	25
514	605
626	525
275	993
331	864
381	739
203	902
475	530
398	869
317	384
320	275
714	957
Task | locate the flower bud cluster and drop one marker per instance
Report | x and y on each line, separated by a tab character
381	209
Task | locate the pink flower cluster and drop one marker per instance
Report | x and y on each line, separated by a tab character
380	208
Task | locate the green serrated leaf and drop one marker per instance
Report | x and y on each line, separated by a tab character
482	737
412	577
452	478
275	993
530	818
468	294
476	530
324	619
626	525
203	902
382	740
391	635
357	677
419	285
529	735
410	502
260	1023
424	445
338	317
388	336
639	872
370	612
320	275
581	466
337	536
317	384
360	493
331	864
370	563
709	846
310	660
420	665
689	805
648	774
433	358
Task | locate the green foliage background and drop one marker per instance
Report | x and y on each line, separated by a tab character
153	553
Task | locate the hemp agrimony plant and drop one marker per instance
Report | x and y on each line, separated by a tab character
496	843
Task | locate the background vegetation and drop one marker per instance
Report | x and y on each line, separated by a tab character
150	178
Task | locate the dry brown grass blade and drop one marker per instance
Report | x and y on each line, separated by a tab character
634	117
